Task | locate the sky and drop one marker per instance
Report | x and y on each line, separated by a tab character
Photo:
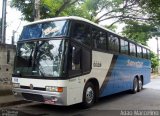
14	23
13	17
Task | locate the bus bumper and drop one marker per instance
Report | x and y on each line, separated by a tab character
53	98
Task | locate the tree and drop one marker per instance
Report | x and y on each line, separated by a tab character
141	31
134	13
48	8
0	27
113	27
117	10
95	10
154	61
152	7
137	31
0	23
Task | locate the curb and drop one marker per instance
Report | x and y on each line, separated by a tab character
14	103
155	76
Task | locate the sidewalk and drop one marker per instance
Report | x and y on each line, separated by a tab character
8	99
154	76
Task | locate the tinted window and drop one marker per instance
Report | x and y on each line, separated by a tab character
76	58
81	32
79	60
113	43
144	53
99	39
148	54
86	60
132	48
44	30
139	51
124	46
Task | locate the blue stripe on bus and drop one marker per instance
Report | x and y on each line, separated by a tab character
121	74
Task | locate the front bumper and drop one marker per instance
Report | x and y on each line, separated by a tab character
54	98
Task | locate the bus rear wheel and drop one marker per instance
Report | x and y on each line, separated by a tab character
140	85
135	85
89	95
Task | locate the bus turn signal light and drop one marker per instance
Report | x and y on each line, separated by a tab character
60	89
54	89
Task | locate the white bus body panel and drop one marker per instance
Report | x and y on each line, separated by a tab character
75	86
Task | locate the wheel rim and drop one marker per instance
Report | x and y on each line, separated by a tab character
135	85
89	95
140	84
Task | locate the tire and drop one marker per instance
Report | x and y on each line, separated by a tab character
135	86
140	85
89	95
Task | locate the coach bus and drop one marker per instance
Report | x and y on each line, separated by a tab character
70	60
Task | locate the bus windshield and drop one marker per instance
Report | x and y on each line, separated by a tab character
44	30
40	58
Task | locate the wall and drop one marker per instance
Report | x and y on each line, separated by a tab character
7	53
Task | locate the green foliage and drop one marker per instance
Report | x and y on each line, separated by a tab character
25	8
0	23
90	9
152	7
0	26
113	27
154	61
140	16
139	32
50	8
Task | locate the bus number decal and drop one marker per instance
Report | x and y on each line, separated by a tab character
97	64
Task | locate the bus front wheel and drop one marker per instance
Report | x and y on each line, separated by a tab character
89	95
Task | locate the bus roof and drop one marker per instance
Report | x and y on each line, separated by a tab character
84	20
69	18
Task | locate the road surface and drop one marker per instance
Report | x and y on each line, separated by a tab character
146	102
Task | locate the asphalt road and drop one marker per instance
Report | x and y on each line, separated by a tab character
144	103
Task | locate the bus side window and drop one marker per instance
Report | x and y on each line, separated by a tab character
139	52
82	33
87	39
144	53
94	37
132	49
124	47
101	42
99	39
113	43
148	54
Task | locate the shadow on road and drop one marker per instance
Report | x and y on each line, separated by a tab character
39	109
113	97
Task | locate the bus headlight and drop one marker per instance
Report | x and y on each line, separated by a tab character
54	89
16	85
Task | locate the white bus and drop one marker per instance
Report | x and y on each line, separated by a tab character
70	60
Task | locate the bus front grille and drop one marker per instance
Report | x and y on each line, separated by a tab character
35	88
33	97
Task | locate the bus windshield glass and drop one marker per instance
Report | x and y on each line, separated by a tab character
40	58
45	30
